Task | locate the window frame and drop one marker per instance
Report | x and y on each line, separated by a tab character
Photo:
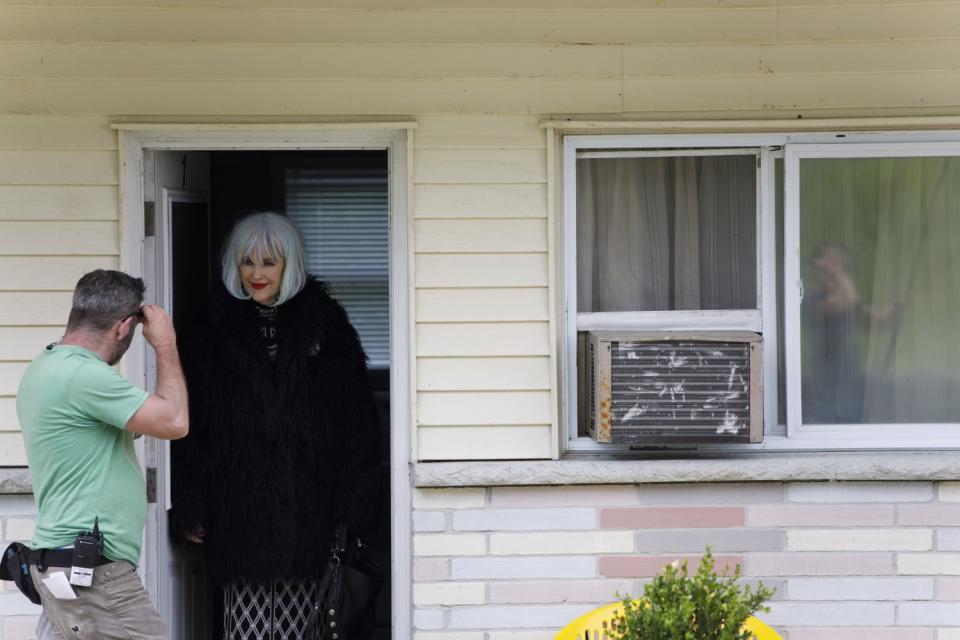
791	147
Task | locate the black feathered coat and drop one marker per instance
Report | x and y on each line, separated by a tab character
277	452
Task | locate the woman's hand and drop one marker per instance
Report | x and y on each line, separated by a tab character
197	535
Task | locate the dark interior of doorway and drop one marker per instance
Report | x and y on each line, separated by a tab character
243	181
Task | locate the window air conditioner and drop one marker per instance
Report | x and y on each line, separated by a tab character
655	388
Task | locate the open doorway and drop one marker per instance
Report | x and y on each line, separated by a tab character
340	201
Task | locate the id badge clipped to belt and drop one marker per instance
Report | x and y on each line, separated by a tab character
87	552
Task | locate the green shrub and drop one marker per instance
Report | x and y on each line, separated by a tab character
705	606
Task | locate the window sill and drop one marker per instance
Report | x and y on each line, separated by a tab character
734	467
15	480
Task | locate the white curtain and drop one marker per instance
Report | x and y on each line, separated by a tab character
664	233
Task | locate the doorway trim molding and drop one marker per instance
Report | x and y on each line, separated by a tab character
397	139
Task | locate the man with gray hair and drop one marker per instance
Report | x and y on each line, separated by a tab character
78	417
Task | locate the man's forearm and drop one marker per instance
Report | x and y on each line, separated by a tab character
171	385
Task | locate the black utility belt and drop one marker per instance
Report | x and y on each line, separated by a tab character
44	558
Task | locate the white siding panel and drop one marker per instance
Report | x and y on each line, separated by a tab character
480	201
587	26
58	238
219	61
58	167
8	414
480	339
25	343
783	91
45	273
51	132
12	451
58	203
480	166
481	305
484	443
476	374
481	270
33	308
826	57
443	131
484	408
428	4
866	22
480	236
10	374
357	97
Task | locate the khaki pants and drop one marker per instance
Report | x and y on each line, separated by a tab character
115	606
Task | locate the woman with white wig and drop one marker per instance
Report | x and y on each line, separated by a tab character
283	443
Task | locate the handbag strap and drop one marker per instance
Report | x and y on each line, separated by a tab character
315	628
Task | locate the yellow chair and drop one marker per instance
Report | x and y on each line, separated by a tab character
595	625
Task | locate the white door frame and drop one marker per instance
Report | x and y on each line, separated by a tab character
396	138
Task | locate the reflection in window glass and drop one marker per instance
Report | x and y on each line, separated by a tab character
881	270
666	233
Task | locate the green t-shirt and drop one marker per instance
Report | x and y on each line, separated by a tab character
73	408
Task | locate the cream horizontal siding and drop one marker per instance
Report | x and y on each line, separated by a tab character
58	220
481	303
468	25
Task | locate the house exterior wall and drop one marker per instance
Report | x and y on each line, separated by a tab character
478	79
852	560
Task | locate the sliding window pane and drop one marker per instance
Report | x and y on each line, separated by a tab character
666	233
879	253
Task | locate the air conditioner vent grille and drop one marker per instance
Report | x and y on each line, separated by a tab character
678	390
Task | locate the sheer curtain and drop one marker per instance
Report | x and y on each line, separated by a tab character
666	233
882	277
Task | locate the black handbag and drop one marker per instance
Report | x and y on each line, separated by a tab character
346	592
16	567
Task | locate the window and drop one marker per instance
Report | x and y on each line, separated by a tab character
841	254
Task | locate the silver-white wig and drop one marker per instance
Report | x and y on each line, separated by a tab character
260	236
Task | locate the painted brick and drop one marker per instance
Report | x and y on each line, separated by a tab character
646	566
428	569
860	588
572	496
524	519
810	515
860	540
948	540
521	635
427	618
429	521
502	544
671	517
942	515
724	493
17	506
930	613
864	633
448	593
860	492
931	564
20	627
20	529
570	591
459	498
523	567
819	564
718	539
518	617
948	491
447	544
948	588
830	615
445	635
14	603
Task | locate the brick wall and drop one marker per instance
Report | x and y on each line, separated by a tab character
852	560
18	616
